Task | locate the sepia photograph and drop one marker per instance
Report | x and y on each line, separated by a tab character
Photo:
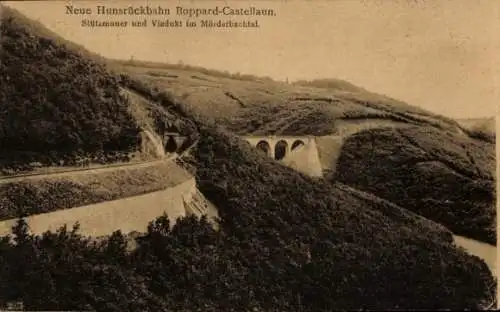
260	156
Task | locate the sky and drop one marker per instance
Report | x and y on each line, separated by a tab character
435	54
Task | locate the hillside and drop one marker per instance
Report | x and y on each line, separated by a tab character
451	183
60	108
285	241
436	154
271	253
261	106
61	111
353	239
265	210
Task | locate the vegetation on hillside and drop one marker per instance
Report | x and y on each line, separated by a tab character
257	203
56	105
30	197
270	254
441	176
64	271
60	105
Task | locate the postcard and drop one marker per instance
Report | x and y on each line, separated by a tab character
248	155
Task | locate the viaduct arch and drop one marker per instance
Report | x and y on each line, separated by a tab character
278	147
264	147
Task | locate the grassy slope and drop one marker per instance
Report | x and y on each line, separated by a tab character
263	106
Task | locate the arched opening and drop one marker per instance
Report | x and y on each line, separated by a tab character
170	145
297	144
280	150
264	147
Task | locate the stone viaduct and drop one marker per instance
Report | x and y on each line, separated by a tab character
298	152
278	147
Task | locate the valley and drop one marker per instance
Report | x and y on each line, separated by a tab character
235	191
